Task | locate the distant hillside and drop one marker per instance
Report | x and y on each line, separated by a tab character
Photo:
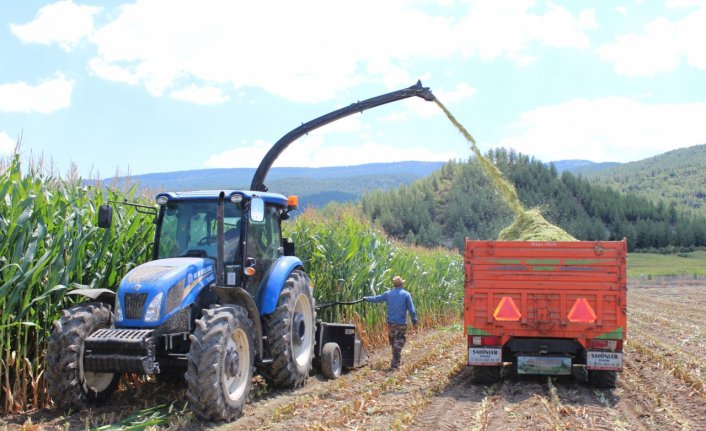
678	177
582	166
458	201
314	186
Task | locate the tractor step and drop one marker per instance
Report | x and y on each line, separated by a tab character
121	350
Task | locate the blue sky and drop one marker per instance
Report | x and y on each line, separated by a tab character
168	85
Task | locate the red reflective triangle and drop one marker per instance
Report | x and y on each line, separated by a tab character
507	310
581	312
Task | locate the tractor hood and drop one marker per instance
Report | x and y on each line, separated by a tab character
152	292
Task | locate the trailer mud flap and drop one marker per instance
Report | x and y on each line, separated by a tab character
602	360
485	356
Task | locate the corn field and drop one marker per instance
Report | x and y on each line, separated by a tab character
50	244
347	259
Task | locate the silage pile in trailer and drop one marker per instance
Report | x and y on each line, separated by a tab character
529	225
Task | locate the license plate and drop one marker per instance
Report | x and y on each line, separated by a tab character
598	360
548	365
484	356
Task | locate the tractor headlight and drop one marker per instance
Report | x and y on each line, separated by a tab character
154	310
118	310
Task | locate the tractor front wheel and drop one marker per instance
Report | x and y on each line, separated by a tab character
69	386
220	363
290	331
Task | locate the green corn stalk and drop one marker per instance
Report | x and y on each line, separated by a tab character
348	258
48	243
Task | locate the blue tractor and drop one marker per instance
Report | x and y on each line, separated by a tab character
223	295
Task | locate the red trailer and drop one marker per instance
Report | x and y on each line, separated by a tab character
555	308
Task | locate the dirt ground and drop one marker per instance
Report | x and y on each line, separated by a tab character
662	386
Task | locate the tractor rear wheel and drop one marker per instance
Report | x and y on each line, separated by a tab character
290	331
69	386
220	363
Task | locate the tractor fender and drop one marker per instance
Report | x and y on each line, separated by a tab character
105	296
239	296
274	282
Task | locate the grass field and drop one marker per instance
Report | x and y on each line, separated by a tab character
655	265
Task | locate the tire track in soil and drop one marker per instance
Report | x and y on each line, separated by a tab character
669	403
455	408
304	407
381	400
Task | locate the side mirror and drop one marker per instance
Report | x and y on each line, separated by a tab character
257	210
288	247
105	216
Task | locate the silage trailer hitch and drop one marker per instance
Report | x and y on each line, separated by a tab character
338	345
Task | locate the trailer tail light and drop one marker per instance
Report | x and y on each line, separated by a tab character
581	312
606	344
483	340
507	310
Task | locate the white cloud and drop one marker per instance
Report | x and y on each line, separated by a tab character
7	144
296	54
607	129
64	23
242	157
661	46
461	92
200	95
647	54
47	97
684	3
691	36
315	151
495	29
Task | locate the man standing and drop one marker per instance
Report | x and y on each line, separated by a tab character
399	302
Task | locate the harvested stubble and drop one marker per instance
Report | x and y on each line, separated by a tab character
529	225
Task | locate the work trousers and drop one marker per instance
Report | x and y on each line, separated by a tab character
397	335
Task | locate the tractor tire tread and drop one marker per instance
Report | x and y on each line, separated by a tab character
65	384
204	375
283	371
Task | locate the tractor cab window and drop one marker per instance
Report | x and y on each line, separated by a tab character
263	243
188	228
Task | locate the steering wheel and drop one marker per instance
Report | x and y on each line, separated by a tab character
207	240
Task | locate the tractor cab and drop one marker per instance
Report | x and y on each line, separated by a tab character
188	226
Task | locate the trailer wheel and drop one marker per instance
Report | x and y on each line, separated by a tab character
69	386
485	375
331	361
220	363
603	379
290	331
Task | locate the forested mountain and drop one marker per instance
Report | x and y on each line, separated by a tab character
678	176
314	186
459	201
581	166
